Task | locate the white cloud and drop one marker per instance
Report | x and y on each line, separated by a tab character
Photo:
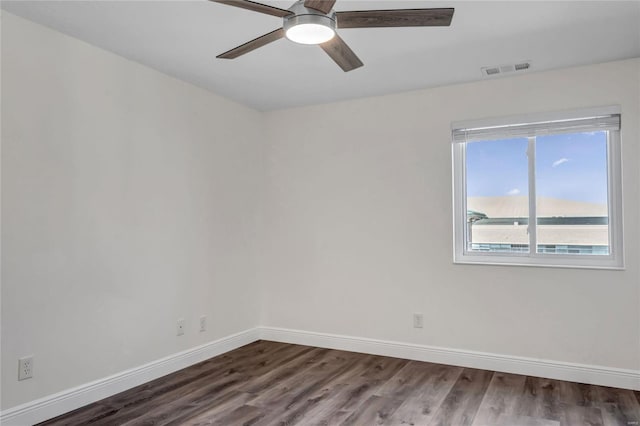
560	161
514	191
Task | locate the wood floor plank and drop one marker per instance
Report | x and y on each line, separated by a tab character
540	399
298	412
287	371
334	418
358	390
509	420
344	399
213	402
618	406
580	415
84	415
140	399
260	365
269	383
217	410
205	375
498	400
296	387
245	415
383	368
376	410
461	403
290	402
195	400
411	376
160	400
332	397
420	406
358	364
579	394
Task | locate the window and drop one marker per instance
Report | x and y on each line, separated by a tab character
539	190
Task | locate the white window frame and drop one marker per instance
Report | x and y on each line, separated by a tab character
615	259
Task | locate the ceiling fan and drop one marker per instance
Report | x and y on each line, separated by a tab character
315	22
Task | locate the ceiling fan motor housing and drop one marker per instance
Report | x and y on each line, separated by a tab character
303	15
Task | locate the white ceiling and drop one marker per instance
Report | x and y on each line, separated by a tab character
182	38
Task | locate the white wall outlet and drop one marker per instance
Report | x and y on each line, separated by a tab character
180	327
418	321
25	368
203	323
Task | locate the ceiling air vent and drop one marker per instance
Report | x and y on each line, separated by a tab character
506	69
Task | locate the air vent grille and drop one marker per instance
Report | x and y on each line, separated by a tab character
506	68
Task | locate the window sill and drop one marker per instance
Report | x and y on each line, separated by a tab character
606	264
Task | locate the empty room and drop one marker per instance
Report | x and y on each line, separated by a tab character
320	212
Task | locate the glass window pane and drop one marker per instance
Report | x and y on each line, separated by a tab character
497	196
571	194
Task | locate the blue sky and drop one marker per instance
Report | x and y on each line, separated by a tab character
570	166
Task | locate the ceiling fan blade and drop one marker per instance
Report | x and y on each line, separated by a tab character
256	7
341	53
395	18
253	44
323	6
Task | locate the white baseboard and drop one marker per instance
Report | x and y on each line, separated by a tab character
581	373
71	399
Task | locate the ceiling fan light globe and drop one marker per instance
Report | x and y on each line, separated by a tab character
310	27
310	33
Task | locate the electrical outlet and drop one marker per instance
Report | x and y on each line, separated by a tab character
418	321
180	327
25	368
203	323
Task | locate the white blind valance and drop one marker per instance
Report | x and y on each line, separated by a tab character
480	132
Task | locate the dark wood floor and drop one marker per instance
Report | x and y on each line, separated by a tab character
267	383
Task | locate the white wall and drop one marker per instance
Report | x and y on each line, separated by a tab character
359	227
129	199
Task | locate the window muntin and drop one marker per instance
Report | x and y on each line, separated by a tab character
567	206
